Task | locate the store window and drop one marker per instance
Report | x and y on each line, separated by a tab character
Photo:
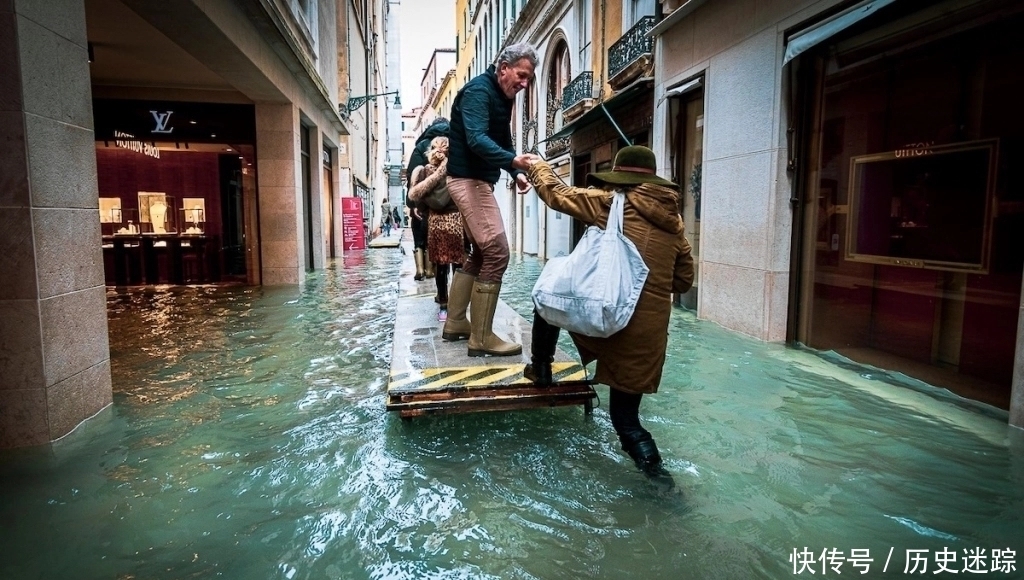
912	239
176	191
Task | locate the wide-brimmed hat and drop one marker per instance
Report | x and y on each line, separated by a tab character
633	165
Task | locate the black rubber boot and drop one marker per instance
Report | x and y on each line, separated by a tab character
544	341
647	459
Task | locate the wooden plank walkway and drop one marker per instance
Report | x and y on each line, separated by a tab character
392	241
432	376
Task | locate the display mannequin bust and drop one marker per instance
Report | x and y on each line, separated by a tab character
158	215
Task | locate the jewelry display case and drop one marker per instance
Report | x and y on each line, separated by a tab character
111	215
192	216
156	213
128	224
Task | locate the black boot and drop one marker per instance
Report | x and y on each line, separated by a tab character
542	351
647	459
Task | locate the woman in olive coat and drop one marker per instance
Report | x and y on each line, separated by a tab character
631	360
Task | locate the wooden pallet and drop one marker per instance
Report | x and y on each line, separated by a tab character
493	399
446	390
432	376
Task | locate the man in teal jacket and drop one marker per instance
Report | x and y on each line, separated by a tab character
480	146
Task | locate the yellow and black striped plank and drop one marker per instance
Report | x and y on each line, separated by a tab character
469	377
486	388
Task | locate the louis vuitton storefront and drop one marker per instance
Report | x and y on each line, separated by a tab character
910	238
177	193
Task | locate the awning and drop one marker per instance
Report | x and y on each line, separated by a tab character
684	10
617	102
684	88
822	31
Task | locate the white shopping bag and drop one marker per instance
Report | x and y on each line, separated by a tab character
594	290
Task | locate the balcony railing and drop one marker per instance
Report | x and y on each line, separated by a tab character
633	44
581	87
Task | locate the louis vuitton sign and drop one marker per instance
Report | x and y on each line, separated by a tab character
174	121
160	121
129	142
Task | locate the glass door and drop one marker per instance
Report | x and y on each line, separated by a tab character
687	115
328	193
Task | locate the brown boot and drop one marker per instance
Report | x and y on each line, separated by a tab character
428	266
418	256
482	341
457	326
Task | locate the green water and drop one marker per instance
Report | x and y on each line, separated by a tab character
248	439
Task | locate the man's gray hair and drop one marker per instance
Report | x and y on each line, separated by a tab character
513	53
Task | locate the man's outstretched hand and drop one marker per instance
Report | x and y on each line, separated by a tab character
525	160
523	183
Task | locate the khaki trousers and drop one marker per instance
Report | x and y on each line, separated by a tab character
483	226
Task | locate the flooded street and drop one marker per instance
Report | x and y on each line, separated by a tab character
248	439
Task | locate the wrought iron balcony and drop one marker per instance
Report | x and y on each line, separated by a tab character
634	44
581	87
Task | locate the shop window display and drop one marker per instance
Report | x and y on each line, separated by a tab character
926	207
156	213
912	241
110	212
181	213
193	215
186	192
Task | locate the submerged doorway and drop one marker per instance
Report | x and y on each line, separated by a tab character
329	205
307	195
686	112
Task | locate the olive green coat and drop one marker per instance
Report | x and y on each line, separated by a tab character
631	360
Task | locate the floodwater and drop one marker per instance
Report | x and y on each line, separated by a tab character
248	439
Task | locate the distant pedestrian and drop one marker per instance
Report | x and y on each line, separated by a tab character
386	217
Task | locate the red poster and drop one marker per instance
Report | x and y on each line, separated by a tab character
352	235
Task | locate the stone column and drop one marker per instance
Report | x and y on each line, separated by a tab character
1017	390
746	226
280	185
54	352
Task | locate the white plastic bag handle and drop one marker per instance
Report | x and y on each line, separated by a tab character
615	212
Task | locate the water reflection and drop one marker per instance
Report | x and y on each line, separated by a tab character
248	439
